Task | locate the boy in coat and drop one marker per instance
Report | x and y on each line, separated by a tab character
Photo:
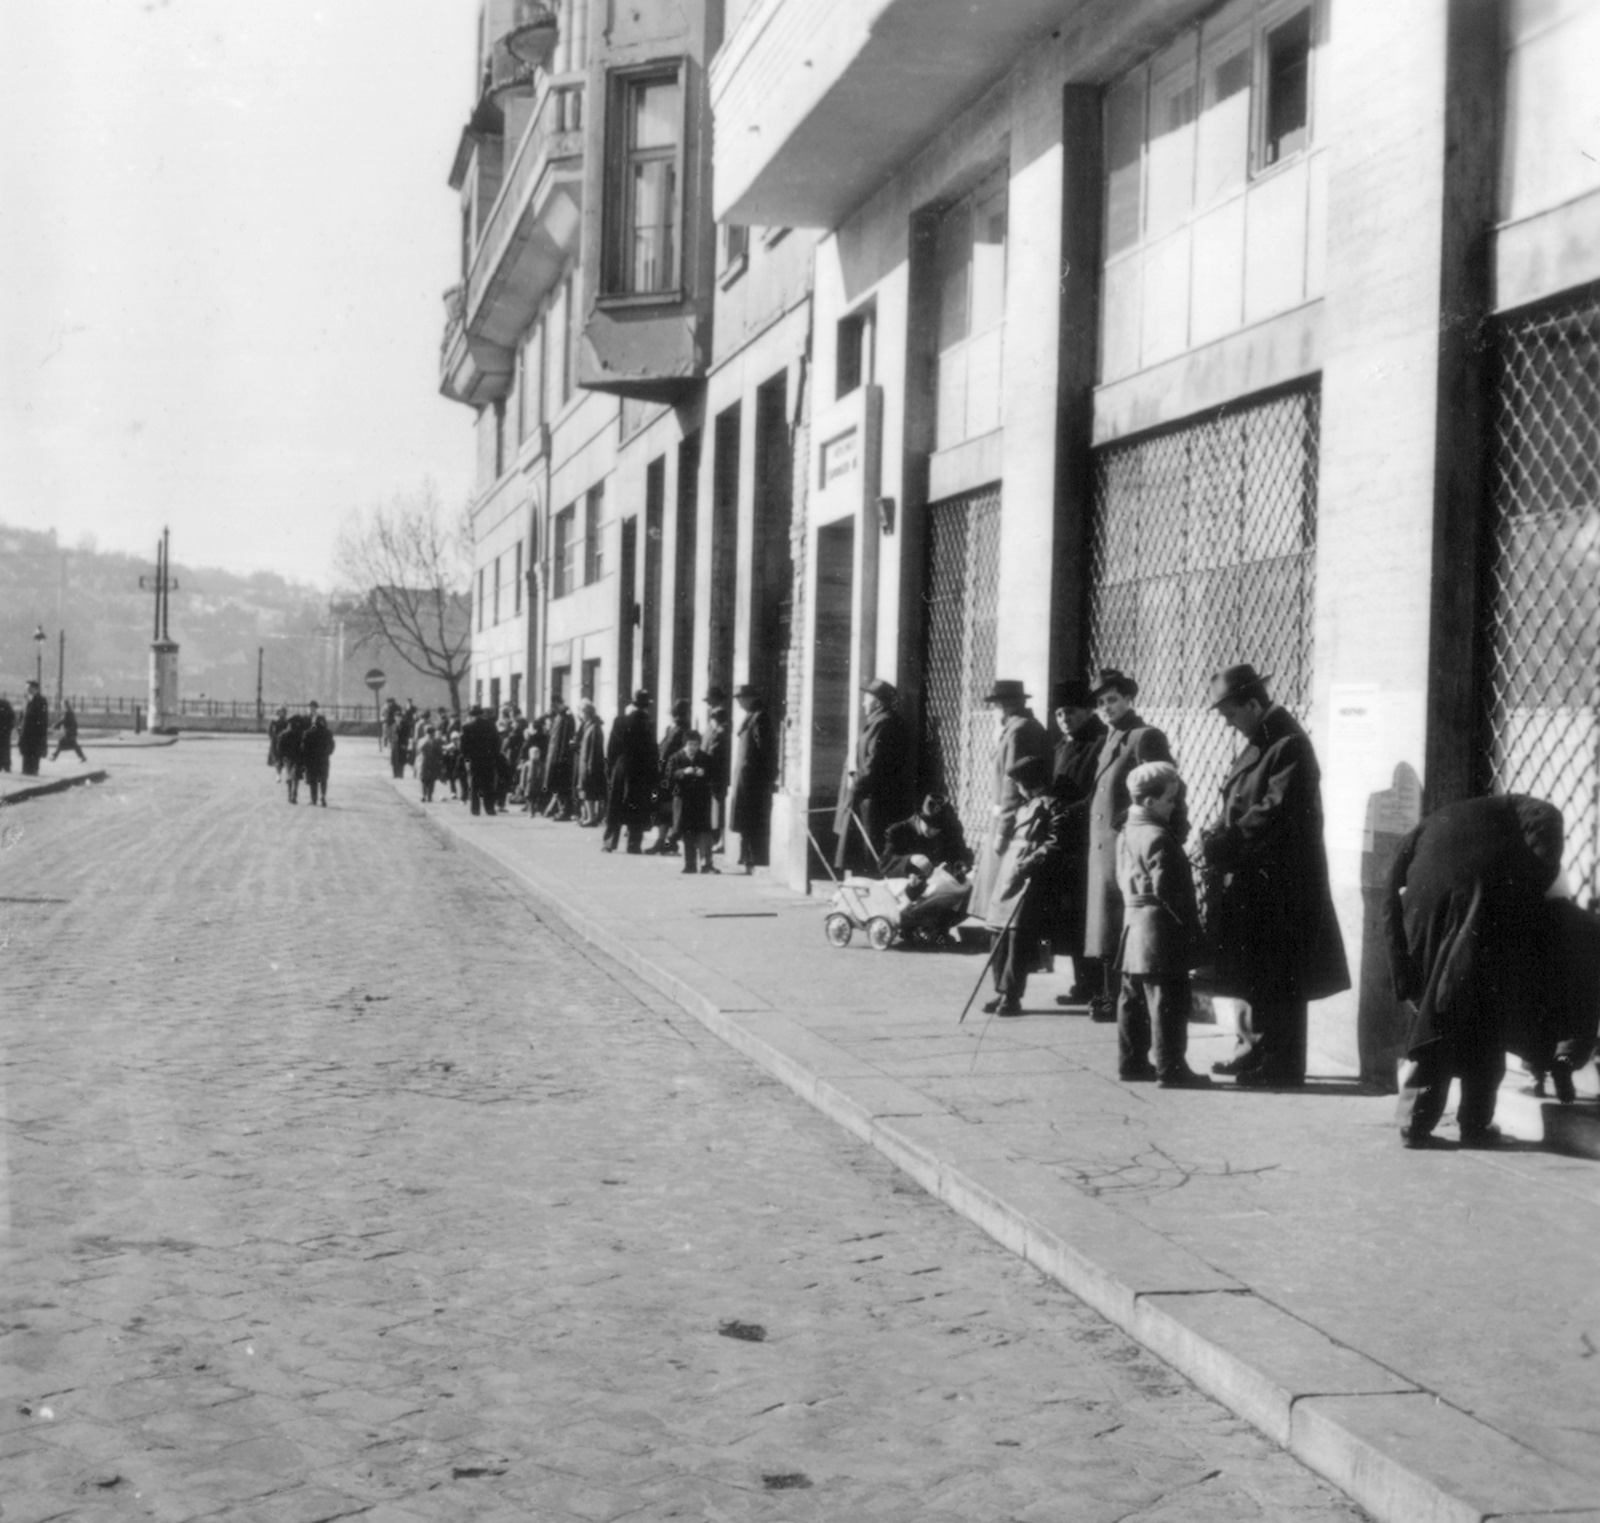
689	785
1027	886
1160	933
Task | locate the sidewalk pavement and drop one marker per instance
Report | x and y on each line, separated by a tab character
1421	1328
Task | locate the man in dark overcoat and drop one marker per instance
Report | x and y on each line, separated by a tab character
755	768
33	737
1129	742
400	738
1273	937
291	752
8	722
316	753
1475	945
718	748
631	762
1018	734
1072	781
480	756
881	786
672	739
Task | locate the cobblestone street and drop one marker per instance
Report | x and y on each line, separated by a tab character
337	1182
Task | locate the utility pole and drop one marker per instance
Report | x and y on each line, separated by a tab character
261	661
61	667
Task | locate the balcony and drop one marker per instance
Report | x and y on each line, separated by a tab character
529	235
817	102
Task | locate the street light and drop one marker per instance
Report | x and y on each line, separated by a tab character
39	637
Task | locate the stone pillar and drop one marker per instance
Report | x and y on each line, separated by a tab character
164	687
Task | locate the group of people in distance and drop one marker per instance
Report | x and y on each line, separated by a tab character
32	727
1088	856
300	746
687	784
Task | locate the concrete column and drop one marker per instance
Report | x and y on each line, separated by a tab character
1410	193
163	686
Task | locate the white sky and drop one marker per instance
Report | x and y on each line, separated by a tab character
225	229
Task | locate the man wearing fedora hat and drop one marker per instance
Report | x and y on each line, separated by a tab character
1274	938
755	768
1020	735
1082	733
879	788
717	748
1129	743
630	775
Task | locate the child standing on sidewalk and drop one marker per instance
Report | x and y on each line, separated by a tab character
689	782
1160	934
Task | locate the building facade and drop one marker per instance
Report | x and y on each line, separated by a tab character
1171	335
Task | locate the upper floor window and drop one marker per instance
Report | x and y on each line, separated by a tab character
642	255
593	508
496	618
853	354
1286	87
563	551
970	267
516	580
480	599
733	252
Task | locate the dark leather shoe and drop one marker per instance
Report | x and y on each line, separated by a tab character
1483	1137
1561	1079
1413	1139
1144	1075
1234	1066
1073	1001
1103	1012
1002	1007
1183	1078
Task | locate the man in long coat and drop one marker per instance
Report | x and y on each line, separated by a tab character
880	790
1072	781
591	766
316	754
631	763
480	756
33	738
755	768
1019	735
1274	938
558	761
8	722
718	748
1129	742
291	752
1476	946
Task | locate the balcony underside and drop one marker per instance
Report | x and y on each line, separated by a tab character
513	275
475	372
818	102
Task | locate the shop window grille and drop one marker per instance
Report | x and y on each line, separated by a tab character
962	598
1541	691
1203	555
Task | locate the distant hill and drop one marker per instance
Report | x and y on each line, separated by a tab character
219	619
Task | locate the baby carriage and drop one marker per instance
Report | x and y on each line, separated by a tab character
920	910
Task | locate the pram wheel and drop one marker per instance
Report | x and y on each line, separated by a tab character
838	929
880	933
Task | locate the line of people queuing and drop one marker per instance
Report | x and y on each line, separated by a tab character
689	785
1088	856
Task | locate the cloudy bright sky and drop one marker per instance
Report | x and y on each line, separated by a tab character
224	235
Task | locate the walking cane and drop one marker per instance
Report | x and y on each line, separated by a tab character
994	951
877	861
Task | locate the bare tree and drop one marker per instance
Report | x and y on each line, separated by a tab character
407	567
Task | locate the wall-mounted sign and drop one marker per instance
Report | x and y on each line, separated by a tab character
841	457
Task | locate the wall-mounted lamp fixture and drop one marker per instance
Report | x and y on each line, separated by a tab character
886	514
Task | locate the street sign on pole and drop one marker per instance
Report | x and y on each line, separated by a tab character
376	679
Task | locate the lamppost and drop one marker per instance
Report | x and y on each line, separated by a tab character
39	637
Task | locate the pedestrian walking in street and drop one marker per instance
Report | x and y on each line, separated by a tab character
881	788
8	722
68	726
480	756
688	785
1027	888
316	751
275	728
631	761
430	762
591	775
755	769
1017	735
1129	742
1073	764
1273	938
291	751
33	735
1475	946
719	757
1160	933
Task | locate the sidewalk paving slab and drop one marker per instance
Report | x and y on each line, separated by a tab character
1419	1328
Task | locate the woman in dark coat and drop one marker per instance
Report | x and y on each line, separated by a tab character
1072	779
591	766
755	768
1129	743
1473	942
559	755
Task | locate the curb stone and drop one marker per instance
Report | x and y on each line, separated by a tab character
55	785
1396	1449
